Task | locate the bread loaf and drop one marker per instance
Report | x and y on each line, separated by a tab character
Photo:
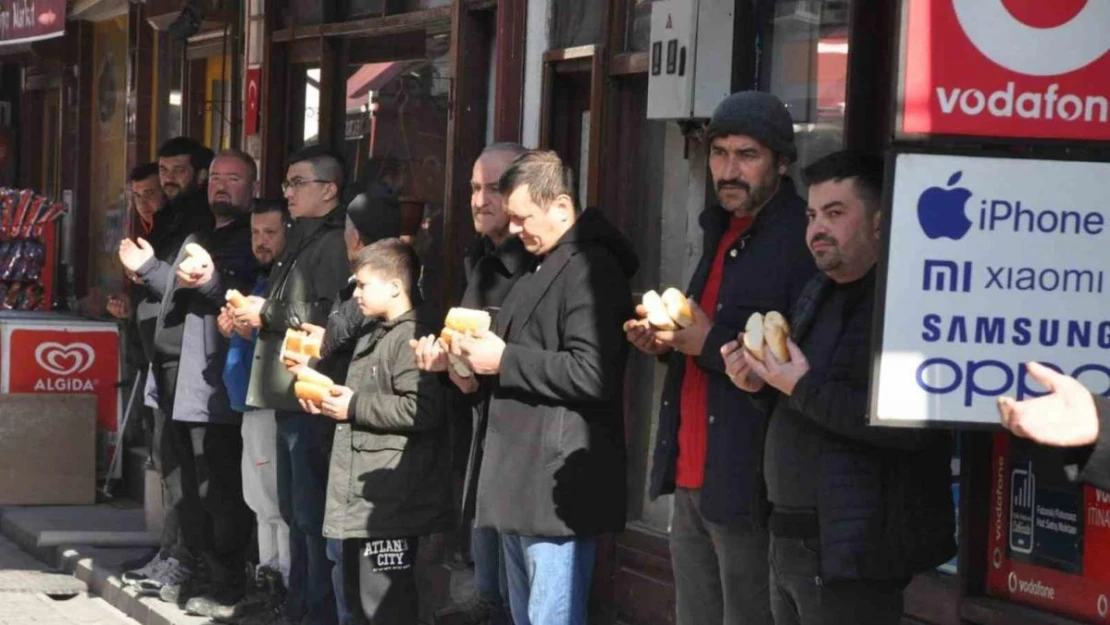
235	298
770	330
461	320
678	307
657	312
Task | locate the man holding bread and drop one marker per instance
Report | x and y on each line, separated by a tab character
303	283
710	437
553	474
856	510
202	445
492	264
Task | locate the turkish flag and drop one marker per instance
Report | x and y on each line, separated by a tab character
254	86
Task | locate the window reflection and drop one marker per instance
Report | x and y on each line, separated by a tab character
807	68
637	38
575	23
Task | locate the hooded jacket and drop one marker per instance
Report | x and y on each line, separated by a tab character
554	461
303	283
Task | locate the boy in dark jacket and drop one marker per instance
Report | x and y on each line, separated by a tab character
389	480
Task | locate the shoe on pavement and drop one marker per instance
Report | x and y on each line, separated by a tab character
275	615
472	612
133	573
173	572
228	605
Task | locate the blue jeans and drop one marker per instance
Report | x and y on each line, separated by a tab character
549	578
302	478
335	554
490	582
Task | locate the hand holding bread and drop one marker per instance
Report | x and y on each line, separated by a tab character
771	354
770	331
196	261
460	321
301	343
313	386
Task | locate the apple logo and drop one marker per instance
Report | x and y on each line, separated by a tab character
941	211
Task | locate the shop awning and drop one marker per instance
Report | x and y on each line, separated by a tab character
24	21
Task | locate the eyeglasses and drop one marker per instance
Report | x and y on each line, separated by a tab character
297	183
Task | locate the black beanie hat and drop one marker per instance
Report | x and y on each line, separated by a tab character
376	213
758	115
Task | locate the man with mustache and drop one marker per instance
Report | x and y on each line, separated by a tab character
200	438
710	436
856	510
178	217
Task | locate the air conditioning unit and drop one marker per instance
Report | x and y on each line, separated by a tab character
690	58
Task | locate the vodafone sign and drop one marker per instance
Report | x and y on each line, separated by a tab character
1006	68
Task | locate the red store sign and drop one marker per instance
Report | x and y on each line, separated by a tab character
1006	68
24	21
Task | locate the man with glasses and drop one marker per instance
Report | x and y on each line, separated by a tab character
303	282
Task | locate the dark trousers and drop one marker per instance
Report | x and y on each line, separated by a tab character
202	475
302	479
800	597
171	542
380	580
720	571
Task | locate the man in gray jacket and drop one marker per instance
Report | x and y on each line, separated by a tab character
303	283
201	443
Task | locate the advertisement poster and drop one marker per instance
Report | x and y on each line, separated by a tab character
989	266
998	68
1049	537
54	359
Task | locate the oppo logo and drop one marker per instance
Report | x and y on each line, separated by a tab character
64	360
1024	49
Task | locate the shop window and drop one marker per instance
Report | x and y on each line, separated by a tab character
304	120
575	23
417	5
807	68
637	36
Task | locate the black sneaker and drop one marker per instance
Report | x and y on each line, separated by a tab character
135	572
172	572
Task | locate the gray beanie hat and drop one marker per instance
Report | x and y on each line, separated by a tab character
758	115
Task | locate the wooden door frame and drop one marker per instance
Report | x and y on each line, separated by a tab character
594	59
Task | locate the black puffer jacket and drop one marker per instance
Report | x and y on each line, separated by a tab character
303	283
884	499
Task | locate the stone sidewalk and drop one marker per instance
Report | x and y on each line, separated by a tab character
23	603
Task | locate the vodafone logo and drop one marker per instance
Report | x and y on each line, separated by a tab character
64	360
1032	51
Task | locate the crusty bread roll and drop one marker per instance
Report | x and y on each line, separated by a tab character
196	259
196	251
775	333
308	391
300	342
657	312
235	298
753	335
678	307
770	330
458	321
467	320
308	374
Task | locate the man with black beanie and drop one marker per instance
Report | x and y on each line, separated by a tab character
710	437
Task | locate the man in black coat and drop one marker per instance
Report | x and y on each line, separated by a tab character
856	510
553	476
303	285
710	439
492	265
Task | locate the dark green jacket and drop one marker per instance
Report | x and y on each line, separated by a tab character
303	282
390	472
